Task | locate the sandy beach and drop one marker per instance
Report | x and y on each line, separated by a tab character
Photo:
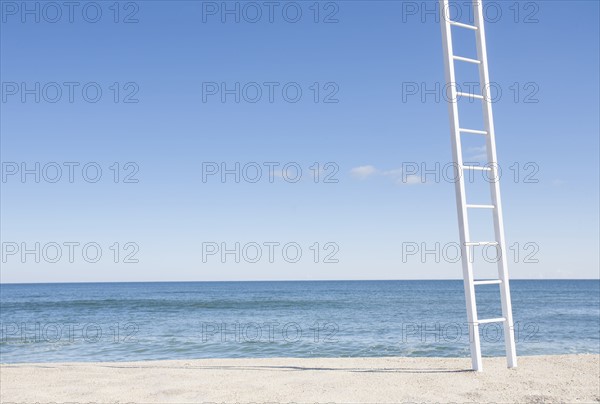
561	378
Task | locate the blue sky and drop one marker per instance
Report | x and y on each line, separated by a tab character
373	67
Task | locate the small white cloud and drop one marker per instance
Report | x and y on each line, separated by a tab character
477	153
400	178
412	179
363	172
395	174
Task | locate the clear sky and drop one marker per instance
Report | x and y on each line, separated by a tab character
372	122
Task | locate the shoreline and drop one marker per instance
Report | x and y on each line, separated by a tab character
544	378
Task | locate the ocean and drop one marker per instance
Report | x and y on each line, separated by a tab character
80	322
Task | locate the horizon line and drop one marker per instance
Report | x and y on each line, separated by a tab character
291	280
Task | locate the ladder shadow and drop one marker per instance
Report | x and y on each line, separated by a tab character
304	368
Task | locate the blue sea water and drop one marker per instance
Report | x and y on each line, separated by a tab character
183	320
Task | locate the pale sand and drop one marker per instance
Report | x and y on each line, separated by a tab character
565	378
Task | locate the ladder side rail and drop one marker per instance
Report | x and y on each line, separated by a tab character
495	185
475	344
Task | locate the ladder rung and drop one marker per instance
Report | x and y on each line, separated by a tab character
477	132
480	168
468	60
460	24
488	282
478	243
492	320
481	206
469	95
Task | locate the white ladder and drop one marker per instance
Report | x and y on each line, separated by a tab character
462	206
